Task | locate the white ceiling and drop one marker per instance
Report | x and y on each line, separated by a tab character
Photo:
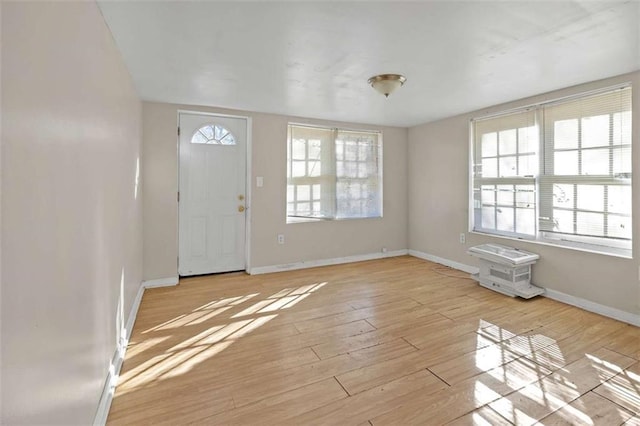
313	59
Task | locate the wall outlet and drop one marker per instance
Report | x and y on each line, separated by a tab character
384	249
280	238
463	238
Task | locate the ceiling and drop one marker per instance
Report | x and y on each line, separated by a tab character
313	59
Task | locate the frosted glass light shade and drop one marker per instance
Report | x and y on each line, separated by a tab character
387	83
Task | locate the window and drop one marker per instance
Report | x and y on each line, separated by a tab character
213	134
333	173
558	172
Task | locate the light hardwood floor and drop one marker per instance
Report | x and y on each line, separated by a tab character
388	342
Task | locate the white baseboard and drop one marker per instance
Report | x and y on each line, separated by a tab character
324	262
597	308
446	262
111	382
587	305
161	282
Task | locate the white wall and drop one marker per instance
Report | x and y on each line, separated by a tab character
71	218
304	241
439	201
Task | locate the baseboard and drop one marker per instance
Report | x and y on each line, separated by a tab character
597	308
161	282
324	262
110	383
441	260
587	305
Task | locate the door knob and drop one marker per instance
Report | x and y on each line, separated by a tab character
240	209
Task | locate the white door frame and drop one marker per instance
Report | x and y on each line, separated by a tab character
248	184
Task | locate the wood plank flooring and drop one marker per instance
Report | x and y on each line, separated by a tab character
388	342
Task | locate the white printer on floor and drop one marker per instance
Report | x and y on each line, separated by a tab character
506	270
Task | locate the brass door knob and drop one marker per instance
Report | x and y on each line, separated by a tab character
240	209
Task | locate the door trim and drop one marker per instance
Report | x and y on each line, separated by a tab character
248	181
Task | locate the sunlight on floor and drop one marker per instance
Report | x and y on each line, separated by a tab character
537	392
283	299
184	356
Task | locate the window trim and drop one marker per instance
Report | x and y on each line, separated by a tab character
616	247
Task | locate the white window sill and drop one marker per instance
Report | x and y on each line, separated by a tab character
571	245
299	219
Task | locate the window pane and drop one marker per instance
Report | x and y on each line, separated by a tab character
622	128
505	219
304	193
619	199
490	167
350	169
314	149
622	160
489	145
505	195
563	221
590	223
299	149
362	170
351	151
339	151
489	217
488	195
508	142
565	163
528	139
525	196
298	168
565	134
595	162
595	131
364	152
619	226
591	197
207	131
316	192
528	165
290	192
199	138
314	168
563	196
508	166
303	208
526	221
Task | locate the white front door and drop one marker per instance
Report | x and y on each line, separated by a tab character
212	199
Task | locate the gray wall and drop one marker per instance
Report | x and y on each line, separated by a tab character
304	241
439	203
71	217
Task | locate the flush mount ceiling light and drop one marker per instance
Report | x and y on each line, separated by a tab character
387	83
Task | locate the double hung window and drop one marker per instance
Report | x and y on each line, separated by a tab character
558	172
333	173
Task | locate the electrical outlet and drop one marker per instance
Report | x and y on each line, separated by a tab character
280	238
463	238
384	249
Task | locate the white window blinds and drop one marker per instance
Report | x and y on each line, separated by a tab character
505	166
558	172
333	173
586	182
